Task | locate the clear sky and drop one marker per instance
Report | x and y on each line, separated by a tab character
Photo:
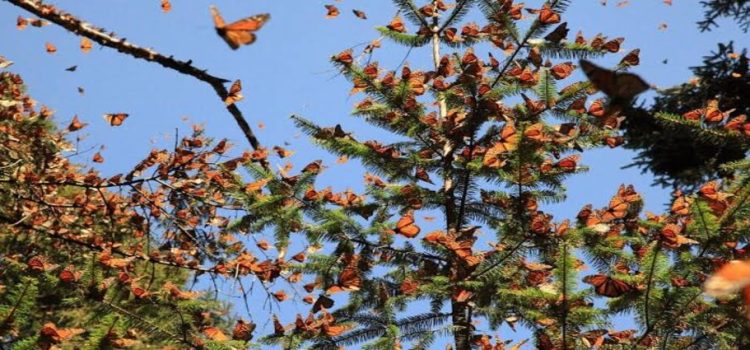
287	71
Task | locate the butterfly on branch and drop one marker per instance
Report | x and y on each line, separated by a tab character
240	32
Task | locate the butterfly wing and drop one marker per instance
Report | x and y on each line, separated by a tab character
252	23
115	119
624	86
238	33
218	20
629	85
603	79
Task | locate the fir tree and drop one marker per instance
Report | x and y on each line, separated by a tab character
100	263
676	155
486	142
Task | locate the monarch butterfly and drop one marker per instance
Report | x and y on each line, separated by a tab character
349	278
323	302
360	14
397	25
730	279
235	93
5	63
406	227
608	286
333	11
243	330
51	49
115	119
240	32
558	34
278	328
618	209
616	85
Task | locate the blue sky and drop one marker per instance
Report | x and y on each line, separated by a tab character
287	71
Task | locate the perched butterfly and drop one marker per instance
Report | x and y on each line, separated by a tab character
243	330
729	279
240	32
406	226
617	85
323	302
235	93
214	333
631	58
115	119
608	286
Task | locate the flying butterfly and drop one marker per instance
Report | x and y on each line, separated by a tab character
115	119
558	34
333	11
729	279
5	63
240	32
617	85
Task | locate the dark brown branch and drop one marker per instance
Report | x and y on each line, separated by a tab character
96	247
105	38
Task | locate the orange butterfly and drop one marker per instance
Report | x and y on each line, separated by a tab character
608	286
406	227
360	14
115	119
76	124
243	330
51	49
235	93
349	277
548	16
618	209
58	335
85	45
729	279
333	11
397	25
632	58
166	6
240	32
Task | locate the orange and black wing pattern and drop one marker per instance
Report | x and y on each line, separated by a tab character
240	32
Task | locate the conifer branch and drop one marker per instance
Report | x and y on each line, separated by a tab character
95	247
649	281
9	317
458	11
532	30
79	27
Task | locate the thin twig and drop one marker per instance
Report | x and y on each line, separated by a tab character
106	38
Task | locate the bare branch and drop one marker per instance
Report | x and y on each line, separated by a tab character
105	38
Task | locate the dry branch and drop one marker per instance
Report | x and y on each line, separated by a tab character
105	38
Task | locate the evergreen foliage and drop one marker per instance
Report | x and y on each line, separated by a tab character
675	152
